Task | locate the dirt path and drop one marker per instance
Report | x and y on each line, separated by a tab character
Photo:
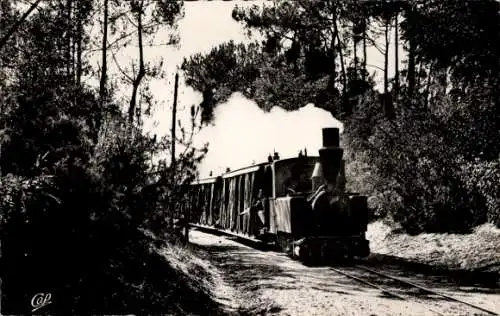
270	283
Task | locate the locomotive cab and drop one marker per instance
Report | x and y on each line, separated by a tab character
321	219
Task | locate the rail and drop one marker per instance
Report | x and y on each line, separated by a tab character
380	288
360	279
422	288
226	232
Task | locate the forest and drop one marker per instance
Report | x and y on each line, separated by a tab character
81	205
425	148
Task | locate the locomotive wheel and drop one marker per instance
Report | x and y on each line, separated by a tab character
349	259
307	256
284	242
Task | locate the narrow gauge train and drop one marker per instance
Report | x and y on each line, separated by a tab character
298	203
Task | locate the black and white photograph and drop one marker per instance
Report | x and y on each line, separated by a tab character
250	157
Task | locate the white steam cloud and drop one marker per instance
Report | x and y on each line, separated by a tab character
242	133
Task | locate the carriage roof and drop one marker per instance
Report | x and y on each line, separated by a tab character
250	169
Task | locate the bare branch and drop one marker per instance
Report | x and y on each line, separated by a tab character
111	45
374	44
14	28
374	66
124	73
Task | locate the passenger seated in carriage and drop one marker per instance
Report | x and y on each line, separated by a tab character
256	213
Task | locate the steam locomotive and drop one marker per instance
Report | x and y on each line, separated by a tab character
300	204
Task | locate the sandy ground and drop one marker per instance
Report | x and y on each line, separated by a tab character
257	282
479	250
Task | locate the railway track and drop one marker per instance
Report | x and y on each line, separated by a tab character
402	289
388	285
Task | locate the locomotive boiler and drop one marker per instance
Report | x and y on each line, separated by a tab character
298	203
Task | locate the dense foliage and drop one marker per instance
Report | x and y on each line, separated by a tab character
82	208
426	148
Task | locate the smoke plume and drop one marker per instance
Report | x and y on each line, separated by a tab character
242	134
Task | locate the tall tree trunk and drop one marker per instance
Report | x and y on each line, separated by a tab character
104	67
428	86
365	31
100	116
411	69
74	37
386	57
355	44
69	35
142	70
396	56
411	51
345	103
342	67
104	73
79	46
333	74
342	63
418	79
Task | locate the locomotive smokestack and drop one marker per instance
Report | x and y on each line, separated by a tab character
331	155
331	137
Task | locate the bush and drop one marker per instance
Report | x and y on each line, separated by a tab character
77	229
413	171
482	178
